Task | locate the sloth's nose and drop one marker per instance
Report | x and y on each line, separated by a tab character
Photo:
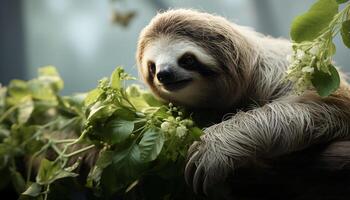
166	75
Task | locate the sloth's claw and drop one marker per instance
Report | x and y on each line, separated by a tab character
200	174
198	179
190	168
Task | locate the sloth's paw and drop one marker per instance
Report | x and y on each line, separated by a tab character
207	167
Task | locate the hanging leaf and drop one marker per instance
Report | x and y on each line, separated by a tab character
325	83
151	144
126	168
308	26
345	33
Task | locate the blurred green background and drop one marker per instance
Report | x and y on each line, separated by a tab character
85	42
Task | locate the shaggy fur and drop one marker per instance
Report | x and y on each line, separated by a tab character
251	69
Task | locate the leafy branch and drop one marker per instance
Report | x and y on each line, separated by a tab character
313	48
135	135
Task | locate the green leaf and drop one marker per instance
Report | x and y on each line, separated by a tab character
25	110
196	132
49	74
33	190
116	78
151	100
17	90
46	171
345	33
341	1
92	96
125	114
98	111
50	171
118	130
151	144
41	91
18	181
126	168
325	83
308	26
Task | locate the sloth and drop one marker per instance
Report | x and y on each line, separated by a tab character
203	61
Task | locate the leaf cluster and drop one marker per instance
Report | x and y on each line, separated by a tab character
312	34
138	139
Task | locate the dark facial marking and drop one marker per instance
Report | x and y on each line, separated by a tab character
190	62
151	73
151	68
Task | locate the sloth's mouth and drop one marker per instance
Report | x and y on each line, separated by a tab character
176	85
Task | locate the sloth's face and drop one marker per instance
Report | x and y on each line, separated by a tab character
181	72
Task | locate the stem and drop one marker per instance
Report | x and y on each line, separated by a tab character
62	154
56	149
47	192
38	132
63	141
79	151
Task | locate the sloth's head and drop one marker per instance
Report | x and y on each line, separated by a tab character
194	59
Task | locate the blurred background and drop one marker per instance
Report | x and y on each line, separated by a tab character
87	39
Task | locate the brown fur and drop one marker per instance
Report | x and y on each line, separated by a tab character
274	120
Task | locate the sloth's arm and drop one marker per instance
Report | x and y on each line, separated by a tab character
275	129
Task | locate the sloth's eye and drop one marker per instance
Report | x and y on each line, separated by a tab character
187	60
151	67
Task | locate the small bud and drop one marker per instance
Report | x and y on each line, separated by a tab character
181	131
300	54
314	50
165	126
308	69
170	118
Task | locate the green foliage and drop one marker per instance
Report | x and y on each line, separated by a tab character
308	26
151	144
345	33
326	83
313	47
50	171
136	135
342	1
